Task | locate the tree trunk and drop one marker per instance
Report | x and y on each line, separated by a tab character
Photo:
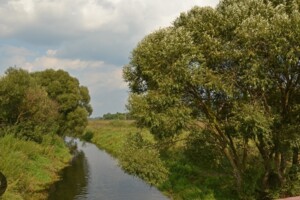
283	168
295	156
237	171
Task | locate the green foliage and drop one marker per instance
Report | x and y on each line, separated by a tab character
140	159
25	106
201	150
71	98
88	136
13	88
235	69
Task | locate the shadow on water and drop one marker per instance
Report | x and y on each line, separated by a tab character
74	180
94	175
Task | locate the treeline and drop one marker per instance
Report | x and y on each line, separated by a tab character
117	116
114	116
38	103
228	78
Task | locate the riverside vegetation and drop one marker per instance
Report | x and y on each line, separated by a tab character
36	111
174	171
31	167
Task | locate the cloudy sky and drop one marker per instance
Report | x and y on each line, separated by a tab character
91	39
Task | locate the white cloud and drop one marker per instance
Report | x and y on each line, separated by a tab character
88	29
10	50
108	80
51	52
48	61
73	18
95	15
95	74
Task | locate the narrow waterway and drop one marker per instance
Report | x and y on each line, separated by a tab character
95	175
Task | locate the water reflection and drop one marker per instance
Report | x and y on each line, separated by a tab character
74	180
95	175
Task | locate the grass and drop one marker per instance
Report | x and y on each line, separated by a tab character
185	180
111	135
30	168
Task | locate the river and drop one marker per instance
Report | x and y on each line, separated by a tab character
95	175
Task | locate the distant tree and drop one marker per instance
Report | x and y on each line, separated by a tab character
116	116
233	71
73	99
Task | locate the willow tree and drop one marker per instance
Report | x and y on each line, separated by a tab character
234	68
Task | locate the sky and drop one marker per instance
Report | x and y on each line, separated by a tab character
90	39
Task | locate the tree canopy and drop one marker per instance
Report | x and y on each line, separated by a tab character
232	75
72	98
43	102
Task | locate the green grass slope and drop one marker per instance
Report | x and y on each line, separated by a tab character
30	168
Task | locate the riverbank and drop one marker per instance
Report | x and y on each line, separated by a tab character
30	168
185	179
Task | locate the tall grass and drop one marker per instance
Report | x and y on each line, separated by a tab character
31	167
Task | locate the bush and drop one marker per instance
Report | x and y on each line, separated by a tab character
88	136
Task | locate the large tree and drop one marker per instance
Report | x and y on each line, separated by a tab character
73	99
234	68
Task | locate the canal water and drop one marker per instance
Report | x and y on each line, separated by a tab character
95	175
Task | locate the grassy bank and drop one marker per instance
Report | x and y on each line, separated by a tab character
111	135
30	167
185	179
